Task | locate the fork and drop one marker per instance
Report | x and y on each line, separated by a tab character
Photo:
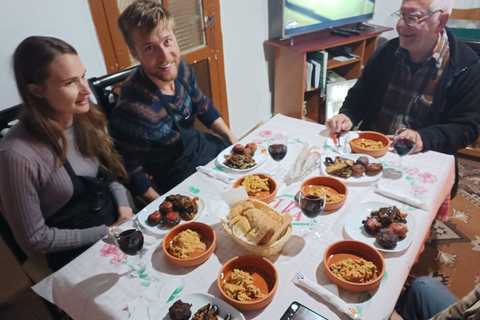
337	135
342	306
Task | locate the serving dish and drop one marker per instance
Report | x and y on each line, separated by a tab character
264	275
345	249
208	237
260	157
198	300
354	227
335	185
263	250
142	216
363	180
371	135
265	196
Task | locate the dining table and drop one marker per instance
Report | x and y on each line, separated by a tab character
97	284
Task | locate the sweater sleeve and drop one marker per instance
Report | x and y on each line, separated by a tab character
460	118
119	194
207	113
22	210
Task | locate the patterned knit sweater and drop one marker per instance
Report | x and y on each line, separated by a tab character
142	127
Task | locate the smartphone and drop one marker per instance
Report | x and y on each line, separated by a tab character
297	311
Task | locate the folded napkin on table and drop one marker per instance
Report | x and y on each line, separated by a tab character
401	191
215	174
308	160
343	139
151	302
328	296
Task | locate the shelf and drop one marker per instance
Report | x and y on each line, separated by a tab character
335	63
290	92
324	39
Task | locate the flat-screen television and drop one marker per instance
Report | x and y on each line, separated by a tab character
288	18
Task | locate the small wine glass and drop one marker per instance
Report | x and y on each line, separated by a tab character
129	238
277	148
403	144
312	202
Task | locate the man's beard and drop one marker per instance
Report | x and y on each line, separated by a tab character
170	76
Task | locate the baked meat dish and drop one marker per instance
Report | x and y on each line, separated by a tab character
346	168
387	225
241	157
174	209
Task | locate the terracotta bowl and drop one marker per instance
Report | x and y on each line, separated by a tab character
208	237
345	249
371	135
335	186
265	196
264	274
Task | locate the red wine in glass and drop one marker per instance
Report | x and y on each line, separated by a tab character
130	241
277	148
277	151
129	238
403	146
312	205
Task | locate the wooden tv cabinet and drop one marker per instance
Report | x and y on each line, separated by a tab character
290	62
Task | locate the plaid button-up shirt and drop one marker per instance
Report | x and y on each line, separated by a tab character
409	96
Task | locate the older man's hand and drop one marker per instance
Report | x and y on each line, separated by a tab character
412	134
339	123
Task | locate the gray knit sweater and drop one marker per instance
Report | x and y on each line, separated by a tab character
33	187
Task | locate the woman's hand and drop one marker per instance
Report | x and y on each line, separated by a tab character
125	213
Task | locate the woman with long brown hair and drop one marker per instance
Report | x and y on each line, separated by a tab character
59	169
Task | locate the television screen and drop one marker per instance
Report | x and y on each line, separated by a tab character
302	16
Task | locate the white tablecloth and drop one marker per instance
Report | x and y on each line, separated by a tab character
92	287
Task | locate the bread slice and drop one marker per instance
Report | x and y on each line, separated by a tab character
240	225
278	232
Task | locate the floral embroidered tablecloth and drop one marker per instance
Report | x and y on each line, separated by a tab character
97	286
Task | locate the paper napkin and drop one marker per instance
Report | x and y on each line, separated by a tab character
308	160
331	298
151	302
400	191
344	141
215	174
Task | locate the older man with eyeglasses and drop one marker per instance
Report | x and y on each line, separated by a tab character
426	80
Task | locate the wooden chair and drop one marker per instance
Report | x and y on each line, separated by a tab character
106	89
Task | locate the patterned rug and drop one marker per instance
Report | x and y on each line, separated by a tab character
452	252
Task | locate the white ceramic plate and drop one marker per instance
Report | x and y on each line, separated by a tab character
352	180
260	157
354	226
198	300
142	216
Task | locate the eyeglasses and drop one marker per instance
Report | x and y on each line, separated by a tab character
411	20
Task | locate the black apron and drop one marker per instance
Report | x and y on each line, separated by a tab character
171	165
89	206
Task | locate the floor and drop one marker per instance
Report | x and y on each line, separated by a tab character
17	299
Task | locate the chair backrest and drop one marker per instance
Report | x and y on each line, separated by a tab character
10	241
106	89
7	116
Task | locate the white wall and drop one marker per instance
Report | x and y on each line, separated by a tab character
382	17
68	20
249	87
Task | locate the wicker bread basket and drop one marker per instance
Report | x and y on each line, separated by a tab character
261	250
